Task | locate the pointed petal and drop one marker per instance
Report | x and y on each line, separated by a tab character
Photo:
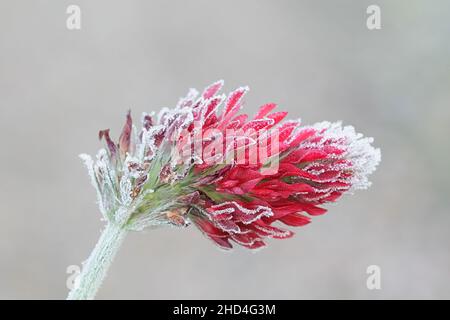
212	89
295	220
111	145
264	110
125	137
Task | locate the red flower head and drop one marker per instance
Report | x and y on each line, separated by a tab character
238	179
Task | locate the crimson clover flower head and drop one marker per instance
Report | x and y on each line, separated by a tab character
238	179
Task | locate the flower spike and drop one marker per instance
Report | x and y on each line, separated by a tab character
240	180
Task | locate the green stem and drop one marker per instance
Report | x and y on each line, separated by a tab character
95	268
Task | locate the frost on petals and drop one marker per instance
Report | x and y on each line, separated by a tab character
203	162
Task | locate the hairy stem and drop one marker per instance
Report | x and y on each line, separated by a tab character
95	268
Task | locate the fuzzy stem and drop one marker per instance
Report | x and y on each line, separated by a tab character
95	268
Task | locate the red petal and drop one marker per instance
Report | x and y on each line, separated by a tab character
295	220
277	116
300	137
272	232
212	89
232	105
264	110
219	237
313	210
224	243
237	121
246	239
212	106
234	98
249	185
258	124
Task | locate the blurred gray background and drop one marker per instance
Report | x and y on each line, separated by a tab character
317	59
